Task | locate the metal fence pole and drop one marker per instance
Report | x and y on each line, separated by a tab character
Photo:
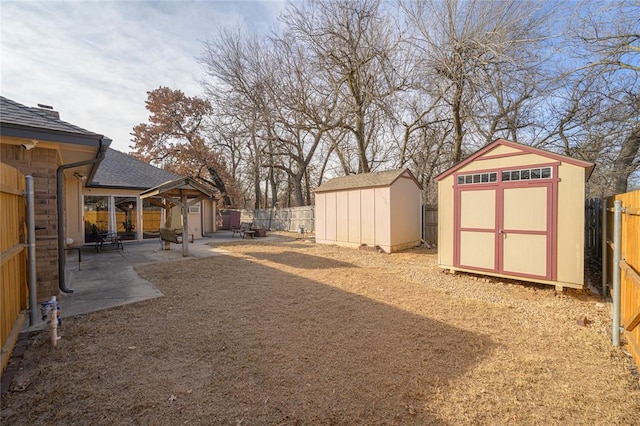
617	222
604	242
31	251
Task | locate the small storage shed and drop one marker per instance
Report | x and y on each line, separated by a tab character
373	209
514	211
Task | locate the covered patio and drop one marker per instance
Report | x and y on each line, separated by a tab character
183	193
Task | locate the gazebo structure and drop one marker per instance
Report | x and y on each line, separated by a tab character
183	193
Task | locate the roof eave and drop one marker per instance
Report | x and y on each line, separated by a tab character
26	132
176	184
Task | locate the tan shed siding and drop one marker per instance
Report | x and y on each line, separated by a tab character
473	217
528	208
530	261
330	218
354	224
501	149
367	217
406	211
571	190
514	161
321	217
445	221
477	249
342	216
382	218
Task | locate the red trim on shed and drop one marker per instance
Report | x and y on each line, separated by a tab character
526	149
551	184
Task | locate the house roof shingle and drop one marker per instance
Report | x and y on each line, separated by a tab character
363	180
13	113
120	170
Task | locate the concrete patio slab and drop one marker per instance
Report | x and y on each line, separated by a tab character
107	279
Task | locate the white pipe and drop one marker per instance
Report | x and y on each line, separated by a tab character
617	222
49	311
31	252
53	322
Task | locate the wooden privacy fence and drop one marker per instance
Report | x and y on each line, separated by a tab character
13	288
430	224
593	227
629	266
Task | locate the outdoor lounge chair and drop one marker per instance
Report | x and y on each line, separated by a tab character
106	240
244	230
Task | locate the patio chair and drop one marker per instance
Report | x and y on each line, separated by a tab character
244	230
106	240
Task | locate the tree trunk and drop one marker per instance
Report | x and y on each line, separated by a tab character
274	188
457	124
298	188
624	163
219	184
363	166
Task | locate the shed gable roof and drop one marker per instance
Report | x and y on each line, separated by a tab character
516	149
120	170
365	180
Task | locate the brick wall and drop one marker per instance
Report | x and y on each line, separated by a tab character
40	163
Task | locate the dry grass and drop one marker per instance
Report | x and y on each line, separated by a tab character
298	333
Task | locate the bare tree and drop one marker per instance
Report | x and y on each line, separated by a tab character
352	44
237	66
471	48
604	40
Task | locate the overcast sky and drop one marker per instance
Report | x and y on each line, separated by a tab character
95	61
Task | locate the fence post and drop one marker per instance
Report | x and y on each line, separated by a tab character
617	224
596	230
603	223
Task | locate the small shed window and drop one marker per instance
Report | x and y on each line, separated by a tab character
477	178
527	174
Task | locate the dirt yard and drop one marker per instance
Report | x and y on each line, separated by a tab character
297	333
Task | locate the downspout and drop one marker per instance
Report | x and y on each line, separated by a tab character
62	255
202	218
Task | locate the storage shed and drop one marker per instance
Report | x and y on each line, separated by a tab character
514	211
371	209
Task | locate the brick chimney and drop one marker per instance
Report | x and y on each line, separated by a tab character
48	109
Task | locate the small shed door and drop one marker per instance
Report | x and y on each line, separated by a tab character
476	228
506	229
525	231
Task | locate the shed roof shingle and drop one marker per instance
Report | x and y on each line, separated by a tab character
13	113
120	170
363	180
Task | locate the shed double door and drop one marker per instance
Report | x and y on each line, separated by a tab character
506	229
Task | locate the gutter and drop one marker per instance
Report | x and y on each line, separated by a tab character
62	255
